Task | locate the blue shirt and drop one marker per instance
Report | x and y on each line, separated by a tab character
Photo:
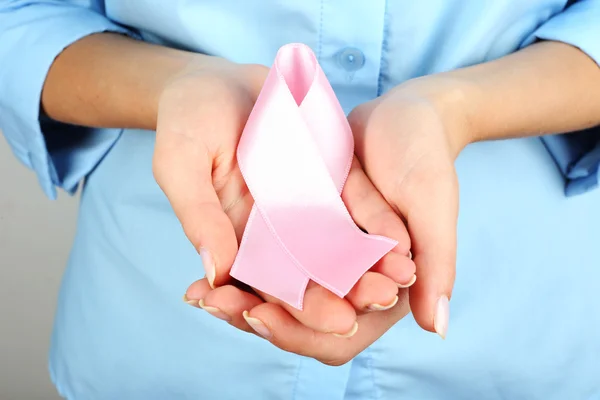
525	321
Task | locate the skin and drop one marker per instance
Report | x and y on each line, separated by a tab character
406	143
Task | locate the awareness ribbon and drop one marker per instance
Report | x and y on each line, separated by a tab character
295	153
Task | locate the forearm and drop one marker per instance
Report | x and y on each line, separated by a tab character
109	80
548	87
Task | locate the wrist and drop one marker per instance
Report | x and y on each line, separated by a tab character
453	101
175	71
202	75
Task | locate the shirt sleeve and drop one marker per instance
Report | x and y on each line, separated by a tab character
32	34
577	154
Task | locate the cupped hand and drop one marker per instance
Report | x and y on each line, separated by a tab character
407	142
201	115
274	323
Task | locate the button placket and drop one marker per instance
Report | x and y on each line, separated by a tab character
350	48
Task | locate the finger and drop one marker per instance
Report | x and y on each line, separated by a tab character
372	212
432	224
276	325
373	292
196	291
228	303
199	289
322	310
398	268
225	302
182	168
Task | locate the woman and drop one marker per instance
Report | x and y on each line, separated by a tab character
84	85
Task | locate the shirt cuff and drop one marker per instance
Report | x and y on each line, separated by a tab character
577	155
60	154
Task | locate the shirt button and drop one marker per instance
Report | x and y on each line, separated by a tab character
351	59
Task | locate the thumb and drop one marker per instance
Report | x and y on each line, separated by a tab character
182	167
432	221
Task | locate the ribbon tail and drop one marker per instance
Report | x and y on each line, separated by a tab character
265	265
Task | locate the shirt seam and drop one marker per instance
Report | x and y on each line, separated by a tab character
384	47
376	392
295	389
320	43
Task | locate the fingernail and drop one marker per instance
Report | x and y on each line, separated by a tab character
214	311
350	333
258	326
193	303
209	266
379	307
442	316
409	284
410	255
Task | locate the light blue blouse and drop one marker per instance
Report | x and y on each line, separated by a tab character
525	320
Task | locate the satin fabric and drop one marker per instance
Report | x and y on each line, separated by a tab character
295	154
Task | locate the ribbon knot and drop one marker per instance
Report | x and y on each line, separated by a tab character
295	154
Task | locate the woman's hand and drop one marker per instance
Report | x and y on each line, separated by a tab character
408	139
407	143
274	323
201	114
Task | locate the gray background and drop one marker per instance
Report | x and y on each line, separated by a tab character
35	237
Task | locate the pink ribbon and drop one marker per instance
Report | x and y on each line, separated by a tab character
295	154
